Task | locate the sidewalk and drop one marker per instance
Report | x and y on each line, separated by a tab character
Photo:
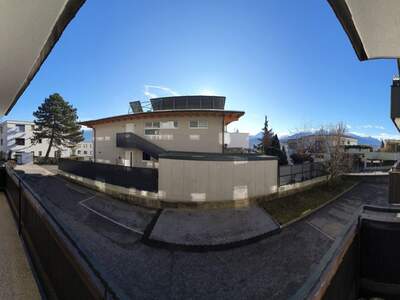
16	279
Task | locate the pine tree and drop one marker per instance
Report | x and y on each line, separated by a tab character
382	144
56	120
275	143
266	140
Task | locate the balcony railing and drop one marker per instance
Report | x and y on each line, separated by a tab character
131	140
394	183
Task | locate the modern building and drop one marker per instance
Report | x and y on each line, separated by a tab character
237	140
318	145
317	142
391	145
16	137
174	124
83	150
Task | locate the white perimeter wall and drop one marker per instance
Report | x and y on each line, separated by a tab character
199	180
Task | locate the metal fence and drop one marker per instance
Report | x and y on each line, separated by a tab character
298	173
145	179
63	269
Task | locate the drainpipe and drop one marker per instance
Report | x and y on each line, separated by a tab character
94	144
223	135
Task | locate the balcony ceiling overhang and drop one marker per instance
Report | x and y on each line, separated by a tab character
28	32
373	26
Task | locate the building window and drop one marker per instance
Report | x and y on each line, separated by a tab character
152	132
1	142
20	127
161	125
84	152
20	142
33	127
39	141
79	151
152	125
169	124
146	156
198	124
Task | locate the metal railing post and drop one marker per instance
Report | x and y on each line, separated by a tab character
291	174
19	206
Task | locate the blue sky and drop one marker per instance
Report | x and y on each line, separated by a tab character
290	60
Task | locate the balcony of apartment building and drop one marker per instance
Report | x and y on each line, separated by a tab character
29	32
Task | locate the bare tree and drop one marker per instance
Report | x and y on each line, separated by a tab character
337	161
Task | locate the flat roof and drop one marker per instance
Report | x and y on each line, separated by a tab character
28	32
229	115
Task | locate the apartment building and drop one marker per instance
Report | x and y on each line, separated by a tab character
83	150
173	124
319	144
391	145
16	136
317	141
237	140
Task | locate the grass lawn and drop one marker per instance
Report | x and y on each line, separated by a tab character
288	208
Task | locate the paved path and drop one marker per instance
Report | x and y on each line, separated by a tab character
212	228
272	268
16	279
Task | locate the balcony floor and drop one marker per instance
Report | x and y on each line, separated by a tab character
16	278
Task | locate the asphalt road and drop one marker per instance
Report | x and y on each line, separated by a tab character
109	232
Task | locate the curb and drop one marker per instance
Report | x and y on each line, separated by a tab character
320	207
207	248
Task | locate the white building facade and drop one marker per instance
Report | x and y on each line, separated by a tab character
83	150
16	137
237	140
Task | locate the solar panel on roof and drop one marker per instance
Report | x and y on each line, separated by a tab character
188	102
136	106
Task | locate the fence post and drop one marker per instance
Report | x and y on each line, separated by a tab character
19	206
279	176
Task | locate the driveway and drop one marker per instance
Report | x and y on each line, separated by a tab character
110	233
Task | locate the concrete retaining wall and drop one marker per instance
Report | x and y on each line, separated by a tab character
216	180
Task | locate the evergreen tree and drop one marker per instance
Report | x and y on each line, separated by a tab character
382	144
275	143
56	120
266	140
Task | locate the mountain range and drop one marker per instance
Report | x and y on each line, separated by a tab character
362	140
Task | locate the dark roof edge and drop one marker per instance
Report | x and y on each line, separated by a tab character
202	156
70	10
345	18
183	96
